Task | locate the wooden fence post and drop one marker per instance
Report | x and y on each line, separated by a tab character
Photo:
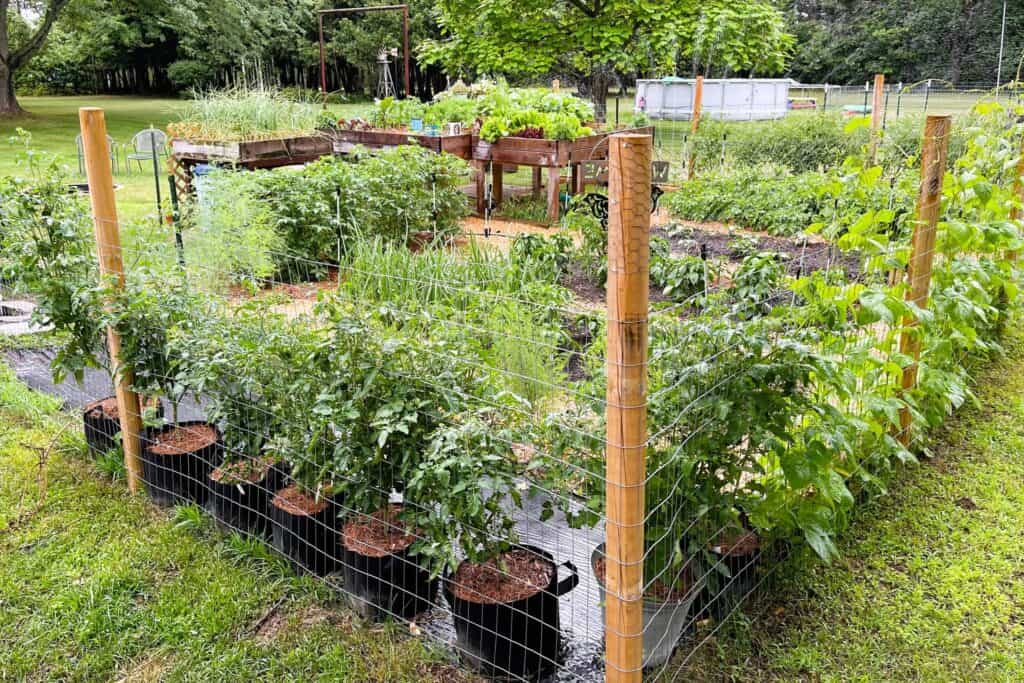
1018	192
698	103
108	247
922	249
629	223
876	118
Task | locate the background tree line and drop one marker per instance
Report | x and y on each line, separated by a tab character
164	46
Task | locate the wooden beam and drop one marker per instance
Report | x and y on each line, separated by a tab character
629	224
108	247
922	250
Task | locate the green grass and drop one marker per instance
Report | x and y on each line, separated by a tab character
97	585
931	587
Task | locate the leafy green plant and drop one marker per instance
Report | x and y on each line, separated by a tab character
243	114
393	113
759	277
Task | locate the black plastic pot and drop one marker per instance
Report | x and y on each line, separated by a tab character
521	638
731	580
389	586
243	506
181	477
309	541
101	430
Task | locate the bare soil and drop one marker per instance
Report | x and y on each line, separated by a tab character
377	535
183	440
513	576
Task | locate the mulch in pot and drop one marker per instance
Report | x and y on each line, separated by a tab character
177	460
303	528
380	572
239	494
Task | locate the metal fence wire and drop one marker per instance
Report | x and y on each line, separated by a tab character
566	452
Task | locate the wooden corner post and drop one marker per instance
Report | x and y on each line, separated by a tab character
876	118
1018	193
629	224
922	249
108	247
698	104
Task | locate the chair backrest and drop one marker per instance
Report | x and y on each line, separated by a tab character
149	140
81	150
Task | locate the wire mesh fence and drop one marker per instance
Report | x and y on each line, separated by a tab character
563	452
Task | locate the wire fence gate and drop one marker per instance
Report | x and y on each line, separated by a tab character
557	489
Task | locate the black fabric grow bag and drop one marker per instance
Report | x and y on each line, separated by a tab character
392	585
101	430
309	541
521	638
171	479
244	506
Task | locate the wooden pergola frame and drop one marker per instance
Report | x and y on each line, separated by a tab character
354	10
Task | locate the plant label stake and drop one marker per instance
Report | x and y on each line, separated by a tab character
922	249
108	247
629	200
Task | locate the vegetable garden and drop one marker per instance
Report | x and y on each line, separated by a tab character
549	449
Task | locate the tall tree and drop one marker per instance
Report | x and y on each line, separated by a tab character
594	41
15	53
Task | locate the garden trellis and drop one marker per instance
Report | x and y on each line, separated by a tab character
392	404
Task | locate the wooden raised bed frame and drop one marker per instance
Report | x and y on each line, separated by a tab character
541	154
344	141
250	154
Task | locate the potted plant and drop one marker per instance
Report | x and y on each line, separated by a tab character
152	313
305	507
716	429
226	362
388	417
49	252
503	594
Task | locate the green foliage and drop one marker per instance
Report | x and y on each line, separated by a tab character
47	250
757	280
392	113
302	219
758	198
242	114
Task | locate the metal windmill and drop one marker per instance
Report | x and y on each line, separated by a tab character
385	84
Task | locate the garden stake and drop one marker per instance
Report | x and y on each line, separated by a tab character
876	118
156	176
629	198
179	244
108	247
1018	192
922	248
698	99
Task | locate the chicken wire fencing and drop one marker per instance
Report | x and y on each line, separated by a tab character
422	418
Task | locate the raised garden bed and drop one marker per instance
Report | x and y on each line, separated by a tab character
345	141
254	153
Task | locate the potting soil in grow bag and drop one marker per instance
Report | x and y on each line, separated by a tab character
177	460
102	423
385	579
506	612
240	492
304	529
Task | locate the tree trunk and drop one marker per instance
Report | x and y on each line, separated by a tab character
596	87
8	102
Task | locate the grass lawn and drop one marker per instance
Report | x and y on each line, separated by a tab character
96	585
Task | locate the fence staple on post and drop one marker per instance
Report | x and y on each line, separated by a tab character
108	248
629	192
922	249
